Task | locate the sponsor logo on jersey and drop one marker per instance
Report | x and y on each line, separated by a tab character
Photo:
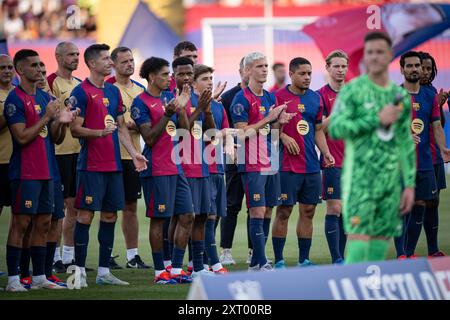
302	127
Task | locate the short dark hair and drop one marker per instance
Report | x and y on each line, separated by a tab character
276	65
22	55
409	54
116	52
181	61
200	69
296	62
183	45
152	65
427	56
377	35
93	51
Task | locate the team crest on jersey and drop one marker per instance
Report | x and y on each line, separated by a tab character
301	107
28	204
106	102
302	127
256	197
417	126
196	131
109	120
10	109
355	220
284	197
88	200
192	109
135	113
162	208
265	130
416	106
330	190
171	129
38	108
44	132
262	109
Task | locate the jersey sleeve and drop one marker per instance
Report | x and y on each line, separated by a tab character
406	145
343	122
139	112
239	108
78	99
120	108
225	123
14	110
435	111
321	111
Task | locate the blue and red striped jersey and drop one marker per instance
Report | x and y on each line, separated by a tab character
31	161
328	96
308	111
150	109
99	107
425	110
250	108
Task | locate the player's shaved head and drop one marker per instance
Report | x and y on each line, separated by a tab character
63	46
67	55
6	70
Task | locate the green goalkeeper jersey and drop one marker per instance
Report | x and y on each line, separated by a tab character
377	160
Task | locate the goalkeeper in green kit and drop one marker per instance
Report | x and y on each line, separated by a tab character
373	115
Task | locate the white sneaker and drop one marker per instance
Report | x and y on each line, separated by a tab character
202	272
226	258
266	267
45	284
110	279
253	269
15	286
250	255
83	281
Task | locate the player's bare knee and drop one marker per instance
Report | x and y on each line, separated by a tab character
420	203
308	212
283	214
334	208
109	217
186	220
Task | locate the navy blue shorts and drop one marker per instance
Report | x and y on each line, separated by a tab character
426	188
305	188
218	196
166	196
32	196
261	190
235	191
100	191
439	172
58	211
331	183
201	194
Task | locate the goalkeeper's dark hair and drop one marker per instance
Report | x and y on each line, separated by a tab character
377	35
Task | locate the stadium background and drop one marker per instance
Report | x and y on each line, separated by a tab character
41	24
